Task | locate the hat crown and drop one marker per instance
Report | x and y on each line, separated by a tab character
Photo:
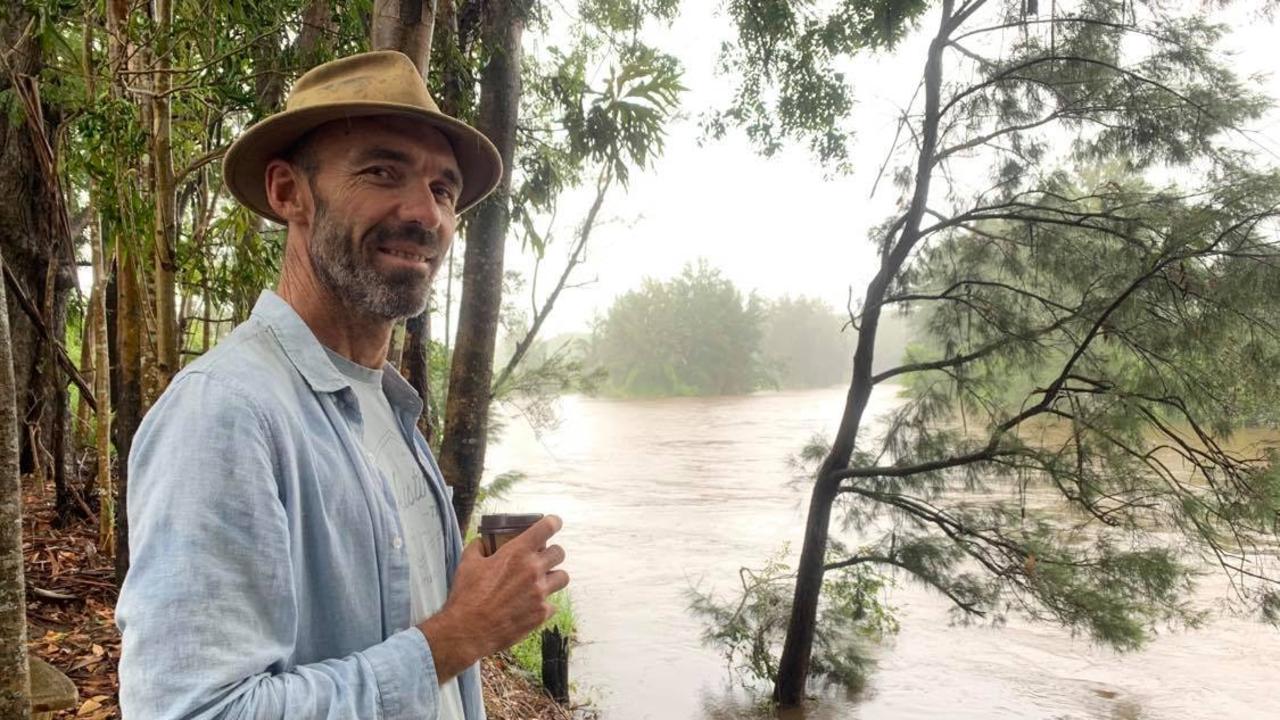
386	76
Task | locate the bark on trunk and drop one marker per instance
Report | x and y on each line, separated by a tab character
405	25
88	364
130	332
15	680
417	335
32	245
166	227
462	449
102	380
793	666
312	37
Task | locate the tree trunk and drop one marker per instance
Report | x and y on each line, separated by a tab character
130	332
405	25
30	238
166	227
130	336
88	365
471	373
793	666
417	336
97	320
15	680
312	39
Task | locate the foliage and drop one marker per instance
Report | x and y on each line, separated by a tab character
748	629
692	335
656	341
786	64
806	343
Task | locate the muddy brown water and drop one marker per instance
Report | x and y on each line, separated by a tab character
661	495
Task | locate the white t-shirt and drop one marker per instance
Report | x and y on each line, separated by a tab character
420	516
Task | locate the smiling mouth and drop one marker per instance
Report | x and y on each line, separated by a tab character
413	257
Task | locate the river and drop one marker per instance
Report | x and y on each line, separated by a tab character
661	495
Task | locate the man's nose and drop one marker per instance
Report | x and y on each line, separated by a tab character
420	206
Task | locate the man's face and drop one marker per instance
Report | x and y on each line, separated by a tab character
384	191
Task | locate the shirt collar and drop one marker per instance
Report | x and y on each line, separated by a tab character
308	356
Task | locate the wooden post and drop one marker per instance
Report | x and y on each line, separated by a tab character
555	665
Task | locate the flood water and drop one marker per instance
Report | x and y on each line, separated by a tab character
658	496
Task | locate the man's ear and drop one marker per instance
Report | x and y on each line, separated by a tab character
288	192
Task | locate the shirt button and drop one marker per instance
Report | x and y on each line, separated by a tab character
396	542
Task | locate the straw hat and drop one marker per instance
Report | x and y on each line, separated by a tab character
375	83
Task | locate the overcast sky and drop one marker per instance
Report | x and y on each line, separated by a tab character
778	225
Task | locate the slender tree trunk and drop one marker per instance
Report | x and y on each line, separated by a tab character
102	380
88	364
129	410
448	302
462	449
15	679
130	332
166	226
793	666
544	310
417	335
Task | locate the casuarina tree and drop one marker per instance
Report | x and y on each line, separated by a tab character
1090	241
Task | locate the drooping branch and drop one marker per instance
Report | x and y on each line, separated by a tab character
967	358
1010	75
967	606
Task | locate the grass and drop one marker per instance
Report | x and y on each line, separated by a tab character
528	652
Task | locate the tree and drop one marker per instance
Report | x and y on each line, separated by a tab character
803	339
1127	308
556	131
36	248
462	446
692	335
15	680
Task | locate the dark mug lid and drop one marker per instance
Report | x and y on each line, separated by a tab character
508	521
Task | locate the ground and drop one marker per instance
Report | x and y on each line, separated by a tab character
71	596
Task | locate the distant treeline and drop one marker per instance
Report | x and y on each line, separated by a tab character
698	334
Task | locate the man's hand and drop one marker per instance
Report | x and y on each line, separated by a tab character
496	600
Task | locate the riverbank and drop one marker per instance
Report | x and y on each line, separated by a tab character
71	597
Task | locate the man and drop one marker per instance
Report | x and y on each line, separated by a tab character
294	550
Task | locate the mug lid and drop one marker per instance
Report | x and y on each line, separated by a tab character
506	521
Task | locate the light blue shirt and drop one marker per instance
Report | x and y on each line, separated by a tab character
268	577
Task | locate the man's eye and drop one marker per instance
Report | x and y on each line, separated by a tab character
444	192
379	171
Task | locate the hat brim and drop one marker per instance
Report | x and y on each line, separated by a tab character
245	164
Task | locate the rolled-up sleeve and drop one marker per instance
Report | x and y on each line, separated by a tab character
208	612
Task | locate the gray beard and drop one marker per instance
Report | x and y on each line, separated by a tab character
351	277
